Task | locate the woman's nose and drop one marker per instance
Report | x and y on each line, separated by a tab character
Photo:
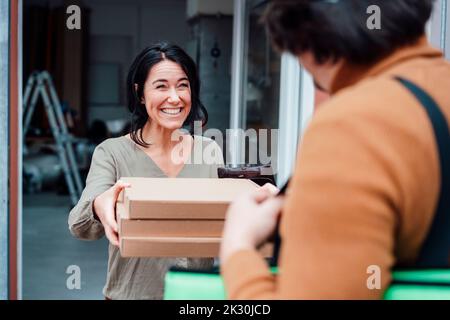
173	96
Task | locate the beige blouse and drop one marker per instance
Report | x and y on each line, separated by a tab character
136	278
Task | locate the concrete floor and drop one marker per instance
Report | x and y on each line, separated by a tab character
49	249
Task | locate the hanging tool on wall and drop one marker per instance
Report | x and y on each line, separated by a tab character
41	84
215	53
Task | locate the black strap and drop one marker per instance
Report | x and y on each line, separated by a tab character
277	238
436	248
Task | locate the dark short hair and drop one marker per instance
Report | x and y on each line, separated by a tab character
138	73
332	30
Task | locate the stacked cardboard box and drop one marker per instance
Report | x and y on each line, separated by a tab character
182	217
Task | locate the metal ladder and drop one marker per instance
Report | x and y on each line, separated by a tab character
41	83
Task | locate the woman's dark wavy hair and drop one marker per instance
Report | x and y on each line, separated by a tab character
332	29
138	73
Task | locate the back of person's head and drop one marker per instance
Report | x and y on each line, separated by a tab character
337	29
138	74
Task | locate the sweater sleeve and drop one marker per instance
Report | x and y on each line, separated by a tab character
343	208
101	176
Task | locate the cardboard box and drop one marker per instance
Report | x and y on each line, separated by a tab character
169	246
176	247
181	198
167	227
181	217
171	228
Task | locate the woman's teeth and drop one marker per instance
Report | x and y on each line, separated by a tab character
171	110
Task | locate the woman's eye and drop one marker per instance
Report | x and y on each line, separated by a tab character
184	85
160	86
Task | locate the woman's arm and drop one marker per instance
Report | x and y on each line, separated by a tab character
83	222
353	176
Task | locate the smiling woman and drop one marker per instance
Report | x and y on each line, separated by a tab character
163	96
167	95
173	80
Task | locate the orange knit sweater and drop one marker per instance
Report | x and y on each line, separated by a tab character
365	186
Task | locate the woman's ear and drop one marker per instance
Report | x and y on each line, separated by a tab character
136	89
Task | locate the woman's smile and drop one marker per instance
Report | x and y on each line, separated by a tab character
172	111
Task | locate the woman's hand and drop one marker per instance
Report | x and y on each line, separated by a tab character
105	210
250	221
271	188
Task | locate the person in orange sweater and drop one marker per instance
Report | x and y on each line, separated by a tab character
367	181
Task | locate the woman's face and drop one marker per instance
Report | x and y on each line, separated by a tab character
167	95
